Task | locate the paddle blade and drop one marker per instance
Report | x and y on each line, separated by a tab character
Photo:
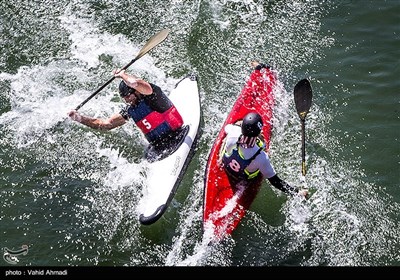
152	42
303	98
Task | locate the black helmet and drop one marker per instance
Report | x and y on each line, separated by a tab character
252	125
124	90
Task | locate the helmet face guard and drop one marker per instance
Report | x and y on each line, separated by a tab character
124	90
252	125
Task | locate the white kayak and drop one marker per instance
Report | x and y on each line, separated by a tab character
164	175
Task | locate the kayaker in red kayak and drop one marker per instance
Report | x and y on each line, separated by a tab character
244	158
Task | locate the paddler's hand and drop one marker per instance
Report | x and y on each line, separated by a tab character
118	73
304	193
74	115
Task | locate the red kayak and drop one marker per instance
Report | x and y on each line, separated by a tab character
225	205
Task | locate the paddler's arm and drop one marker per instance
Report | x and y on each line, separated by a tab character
134	82
230	132
286	188
96	123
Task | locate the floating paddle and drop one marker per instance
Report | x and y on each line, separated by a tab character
302	99
151	43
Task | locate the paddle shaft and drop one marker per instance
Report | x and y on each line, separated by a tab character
94	93
303	147
150	44
103	86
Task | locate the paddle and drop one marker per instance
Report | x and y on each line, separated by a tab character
302	99
151	43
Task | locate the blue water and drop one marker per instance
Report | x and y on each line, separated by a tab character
71	193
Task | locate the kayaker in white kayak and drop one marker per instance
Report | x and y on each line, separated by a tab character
149	107
244	158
